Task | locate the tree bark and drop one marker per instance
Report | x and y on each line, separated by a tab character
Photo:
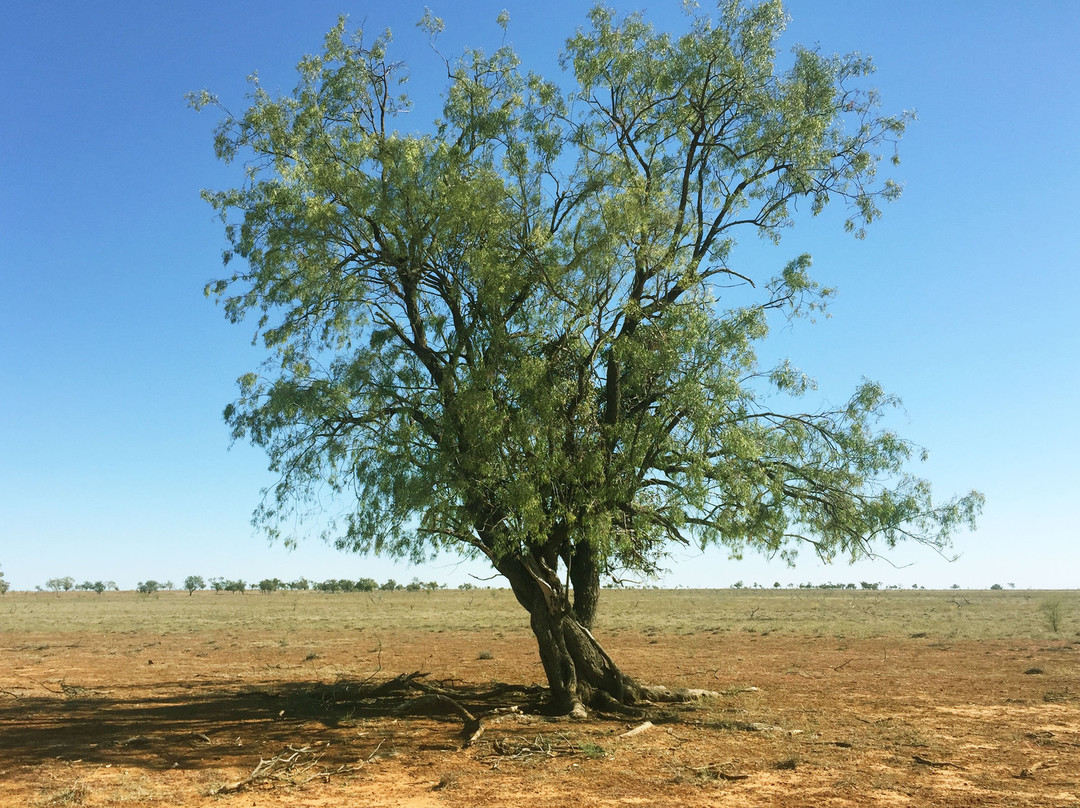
579	671
585	578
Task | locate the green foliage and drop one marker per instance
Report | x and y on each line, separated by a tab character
148	587
193	582
271	585
65	584
515	334
4	585
1054	611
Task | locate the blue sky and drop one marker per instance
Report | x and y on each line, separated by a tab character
114	461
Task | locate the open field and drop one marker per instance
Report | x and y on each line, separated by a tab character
835	698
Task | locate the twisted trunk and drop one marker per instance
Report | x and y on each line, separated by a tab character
579	671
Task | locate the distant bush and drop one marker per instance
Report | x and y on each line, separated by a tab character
148	587
271	585
4	585
996	586
1053	611
193	582
302	584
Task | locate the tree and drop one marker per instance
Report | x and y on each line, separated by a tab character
524	334
193	582
4	585
150	587
65	584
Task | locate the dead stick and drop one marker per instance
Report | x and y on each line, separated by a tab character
937	764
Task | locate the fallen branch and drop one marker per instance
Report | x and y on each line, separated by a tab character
402	683
473	726
640	728
540	746
289	768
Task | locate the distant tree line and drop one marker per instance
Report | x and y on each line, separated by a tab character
194	583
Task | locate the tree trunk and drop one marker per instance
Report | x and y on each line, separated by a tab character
585	578
579	671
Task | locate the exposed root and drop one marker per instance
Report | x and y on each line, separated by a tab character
665	695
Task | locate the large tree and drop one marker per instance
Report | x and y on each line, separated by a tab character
520	333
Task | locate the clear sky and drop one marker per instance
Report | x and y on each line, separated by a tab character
115	463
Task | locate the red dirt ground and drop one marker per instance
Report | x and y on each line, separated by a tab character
134	719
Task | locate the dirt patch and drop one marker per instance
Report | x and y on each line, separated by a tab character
181	719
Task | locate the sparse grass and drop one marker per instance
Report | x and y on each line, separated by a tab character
938	616
592	751
448	780
75	794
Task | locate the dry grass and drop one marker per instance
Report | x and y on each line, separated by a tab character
940	615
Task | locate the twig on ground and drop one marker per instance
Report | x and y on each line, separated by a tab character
937	764
714	770
289	768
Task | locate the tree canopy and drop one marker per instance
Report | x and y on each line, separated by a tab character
520	333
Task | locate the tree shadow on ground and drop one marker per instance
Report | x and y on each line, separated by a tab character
201	725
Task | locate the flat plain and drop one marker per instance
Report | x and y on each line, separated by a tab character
825	698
